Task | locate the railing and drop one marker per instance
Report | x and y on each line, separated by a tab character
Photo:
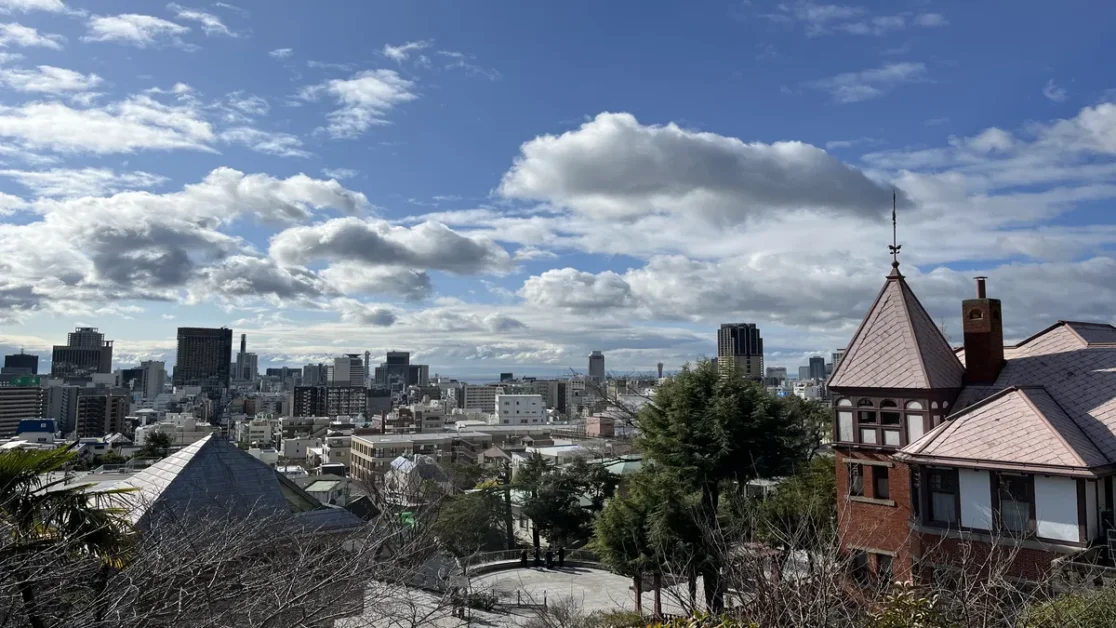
509	556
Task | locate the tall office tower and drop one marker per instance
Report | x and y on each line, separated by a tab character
418	375
740	348
348	370
101	412
154	378
18	403
660	370
817	368
86	352
804	373
838	355
247	364
26	361
395	371
204	357
597	367
367	367
315	375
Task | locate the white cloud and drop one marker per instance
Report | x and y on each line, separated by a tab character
211	24
827	19
27	6
63	182
48	80
357	278
135	30
339	173
931	20
281	53
613	167
247	104
400	53
851	87
270	143
574	289
1053	92
12	34
365	100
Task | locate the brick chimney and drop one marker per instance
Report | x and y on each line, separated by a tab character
983	324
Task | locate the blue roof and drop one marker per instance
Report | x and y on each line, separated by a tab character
36	425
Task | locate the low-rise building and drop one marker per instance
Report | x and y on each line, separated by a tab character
519	410
298	447
371	454
182	429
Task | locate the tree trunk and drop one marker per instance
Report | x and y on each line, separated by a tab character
30	606
711	571
509	525
637	586
692	584
658	584
535	535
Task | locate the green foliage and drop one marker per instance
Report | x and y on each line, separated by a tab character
481	600
466	475
803	512
554	494
702	620
906	607
471	523
1096	609
156	444
620	536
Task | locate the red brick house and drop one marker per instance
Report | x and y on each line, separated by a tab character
941	451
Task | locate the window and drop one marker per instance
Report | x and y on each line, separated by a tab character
943	488
1016	495
866	416
856	480
889	413
859	566
880	482
883	568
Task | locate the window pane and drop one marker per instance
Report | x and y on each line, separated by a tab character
891	437
856	480
1016	516
942	507
887	403
844	402
867	416
914	405
880	477
890	418
883	567
868	435
845	426
914	427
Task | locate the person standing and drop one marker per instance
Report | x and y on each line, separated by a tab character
537	560
523	559
561	557
549	559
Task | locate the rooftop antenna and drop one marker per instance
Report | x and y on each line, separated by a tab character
945	333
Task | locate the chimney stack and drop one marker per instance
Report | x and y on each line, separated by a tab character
982	322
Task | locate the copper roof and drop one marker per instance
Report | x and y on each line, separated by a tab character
898	346
1053	404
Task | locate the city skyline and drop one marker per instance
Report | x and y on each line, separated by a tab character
377	176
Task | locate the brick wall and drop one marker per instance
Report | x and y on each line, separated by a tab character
1026	563
876	526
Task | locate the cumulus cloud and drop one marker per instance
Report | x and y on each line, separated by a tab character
355	311
615	167
378	243
65	182
574	289
27	6
365	100
133	29
358	278
267	142
12	34
250	276
210	24
851	87
48	80
339	173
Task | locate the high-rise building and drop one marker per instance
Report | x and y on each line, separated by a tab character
418	375
204	356
838	355
740	348
817	368
61	405
18	403
804	373
247	366
348	370
367	366
315	375
21	360
597	367
660	370
397	373
777	372
507	377
86	352
154	378
101	412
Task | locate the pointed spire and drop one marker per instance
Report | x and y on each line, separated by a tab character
894	246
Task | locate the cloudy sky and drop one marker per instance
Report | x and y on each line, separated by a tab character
505	186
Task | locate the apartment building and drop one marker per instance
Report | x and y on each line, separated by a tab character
371	454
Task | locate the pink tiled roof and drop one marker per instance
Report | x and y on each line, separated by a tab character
1017	426
1054	403
898	346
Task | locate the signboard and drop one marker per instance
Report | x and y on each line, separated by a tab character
26	380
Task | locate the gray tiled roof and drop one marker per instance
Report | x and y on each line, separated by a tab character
212	476
898	346
1054	403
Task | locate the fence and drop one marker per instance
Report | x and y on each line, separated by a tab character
511	558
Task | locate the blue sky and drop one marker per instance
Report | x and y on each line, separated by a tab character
506	186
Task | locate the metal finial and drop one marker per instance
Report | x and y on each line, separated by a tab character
894	246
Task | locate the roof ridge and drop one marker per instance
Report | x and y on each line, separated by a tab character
906	309
1050	426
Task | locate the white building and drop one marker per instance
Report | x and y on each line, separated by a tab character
481	398
348	371
298	447
154	378
183	429
519	410
260	430
266	455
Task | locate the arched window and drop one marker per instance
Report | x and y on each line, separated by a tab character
844	403
945	404
914	405
864	402
888	403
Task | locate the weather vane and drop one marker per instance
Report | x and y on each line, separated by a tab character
894	246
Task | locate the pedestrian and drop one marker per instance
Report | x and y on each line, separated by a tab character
549	559
523	559
561	557
538	561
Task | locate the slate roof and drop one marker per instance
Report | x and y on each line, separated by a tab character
898	346
214	477
1053	405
